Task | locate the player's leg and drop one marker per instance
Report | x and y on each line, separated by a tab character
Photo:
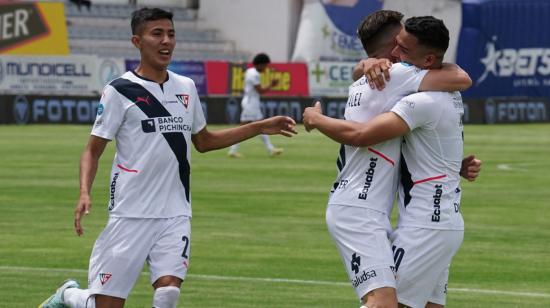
361	236
117	259
439	294
421	258
169	259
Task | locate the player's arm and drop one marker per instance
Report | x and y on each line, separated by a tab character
449	78
88	169
262	90
206	140
383	127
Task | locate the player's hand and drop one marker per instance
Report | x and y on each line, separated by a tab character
310	114
471	166
82	208
377	72
280	125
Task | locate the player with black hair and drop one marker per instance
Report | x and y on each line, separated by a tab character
154	115
250	104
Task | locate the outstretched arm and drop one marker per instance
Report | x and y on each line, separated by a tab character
206	140
88	169
383	127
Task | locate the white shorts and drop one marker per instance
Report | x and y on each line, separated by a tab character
126	244
422	260
251	114
361	236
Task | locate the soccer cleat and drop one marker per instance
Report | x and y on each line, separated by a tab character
56	300
276	152
235	155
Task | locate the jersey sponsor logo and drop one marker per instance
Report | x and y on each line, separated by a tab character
148	126
172	124
104	277
368	179
364	277
112	193
437	203
184	99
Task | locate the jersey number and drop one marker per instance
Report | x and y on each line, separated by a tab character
186	240
398	254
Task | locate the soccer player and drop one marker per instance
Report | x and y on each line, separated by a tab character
362	196
430	227
251	102
154	115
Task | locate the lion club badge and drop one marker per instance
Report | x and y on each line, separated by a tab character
184	99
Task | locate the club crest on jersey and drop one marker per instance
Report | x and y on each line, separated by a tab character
184	99
104	277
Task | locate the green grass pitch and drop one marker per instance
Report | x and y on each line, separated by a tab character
259	237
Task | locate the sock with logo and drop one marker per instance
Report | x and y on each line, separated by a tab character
78	298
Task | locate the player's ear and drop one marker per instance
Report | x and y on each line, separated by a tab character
429	60
136	41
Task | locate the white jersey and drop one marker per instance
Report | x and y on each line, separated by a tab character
368	175
430	193
251	98
152	125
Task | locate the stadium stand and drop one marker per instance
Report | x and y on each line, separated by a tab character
104	29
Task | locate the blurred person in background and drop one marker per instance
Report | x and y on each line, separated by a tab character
250	104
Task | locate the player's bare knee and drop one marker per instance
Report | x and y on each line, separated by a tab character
166	297
385	297
433	305
166	281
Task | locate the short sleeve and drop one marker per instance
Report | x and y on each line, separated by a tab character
405	78
417	110
199	121
110	114
255	78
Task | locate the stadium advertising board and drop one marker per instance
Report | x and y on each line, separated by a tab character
192	69
506	57
328	30
227	110
33	28
30	109
224	78
108	69
46	75
330	78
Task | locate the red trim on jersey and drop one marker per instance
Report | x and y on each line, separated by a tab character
126	169
383	156
430	179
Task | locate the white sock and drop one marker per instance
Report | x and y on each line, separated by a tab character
268	145
166	297
234	148
78	298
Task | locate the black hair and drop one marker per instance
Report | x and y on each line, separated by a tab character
141	16
375	27
261	58
430	32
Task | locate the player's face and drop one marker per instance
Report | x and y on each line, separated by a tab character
156	42
408	50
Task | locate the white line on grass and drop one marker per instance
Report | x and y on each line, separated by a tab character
271	280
